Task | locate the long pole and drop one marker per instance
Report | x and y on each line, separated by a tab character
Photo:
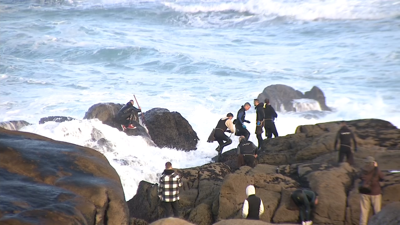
144	122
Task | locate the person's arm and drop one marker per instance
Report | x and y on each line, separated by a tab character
245	209
336	140
179	181
230	126
261	208
274	113
379	172
136	109
239	116
354	141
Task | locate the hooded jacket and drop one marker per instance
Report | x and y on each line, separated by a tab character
372	175
127	110
253	206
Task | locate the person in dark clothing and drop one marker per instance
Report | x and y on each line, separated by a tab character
259	121
253	206
345	136
240	120
127	114
306	201
370	173
168	190
247	150
224	125
269	118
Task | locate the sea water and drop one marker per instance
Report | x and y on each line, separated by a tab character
201	58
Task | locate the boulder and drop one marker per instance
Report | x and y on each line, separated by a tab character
171	221
58	119
134	221
106	112
281	97
43	181
170	129
388	215
243	221
14	124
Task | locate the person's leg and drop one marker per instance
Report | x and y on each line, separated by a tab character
260	140
268	129
296	198
246	134
227	142
273	130
175	208
167	209
240	160
349	156
249	160
365	204
376	201
341	155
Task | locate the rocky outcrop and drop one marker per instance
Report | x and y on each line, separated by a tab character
281	97
106	112
170	129
58	119
246	222
43	181
389	215
14	124
197	198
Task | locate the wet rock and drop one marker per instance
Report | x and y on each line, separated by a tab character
14	124
170	129
43	181
58	119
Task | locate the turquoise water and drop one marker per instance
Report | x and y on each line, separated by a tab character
200	58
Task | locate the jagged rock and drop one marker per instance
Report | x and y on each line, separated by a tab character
43	181
58	119
199	191
14	124
134	221
389	215
106	112
171	221
170	129
281	97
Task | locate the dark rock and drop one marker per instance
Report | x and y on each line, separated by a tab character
106	112
58	119
14	124
43	181
171	221
389	215
244	222
281	97
134	221
170	129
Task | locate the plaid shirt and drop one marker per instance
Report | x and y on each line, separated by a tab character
168	189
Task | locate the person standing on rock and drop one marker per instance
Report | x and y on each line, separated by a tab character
370	175
225	124
345	136
259	121
253	206
248	151
239	124
168	190
127	114
269	118
306	201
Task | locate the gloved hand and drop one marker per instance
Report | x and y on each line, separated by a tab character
258	123
244	126
247	121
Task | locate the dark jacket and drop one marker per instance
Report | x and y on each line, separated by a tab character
345	135
241	114
259	112
221	125
247	148
127	110
168	188
254	207
372	175
269	112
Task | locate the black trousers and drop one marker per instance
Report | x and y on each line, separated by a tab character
170	207
304	209
222	139
240	131
249	160
346	151
128	120
270	129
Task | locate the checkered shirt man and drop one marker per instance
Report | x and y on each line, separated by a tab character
168	189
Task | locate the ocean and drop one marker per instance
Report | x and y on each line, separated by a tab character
201	58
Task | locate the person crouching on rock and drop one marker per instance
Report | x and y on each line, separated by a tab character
253	206
247	150
305	200
168	190
127	114
239	122
223	125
